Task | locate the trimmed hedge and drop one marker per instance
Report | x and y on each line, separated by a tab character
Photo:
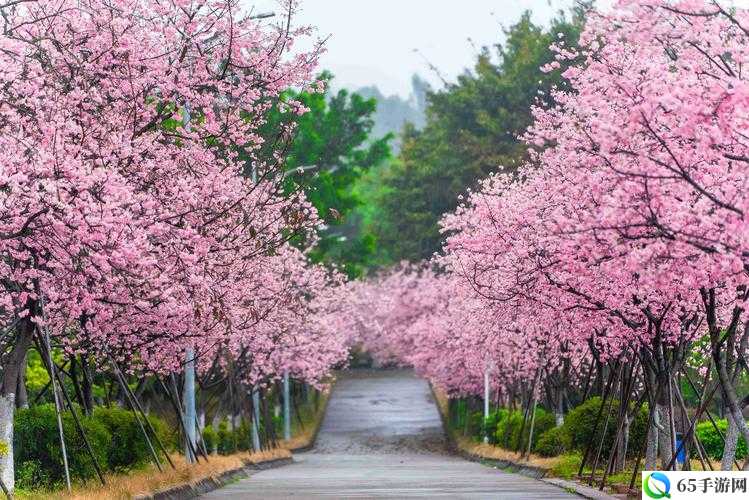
113	433
713	443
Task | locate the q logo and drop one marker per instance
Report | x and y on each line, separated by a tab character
656	485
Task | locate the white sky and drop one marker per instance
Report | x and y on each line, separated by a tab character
373	41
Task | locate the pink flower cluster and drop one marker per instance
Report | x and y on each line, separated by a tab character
126	227
625	236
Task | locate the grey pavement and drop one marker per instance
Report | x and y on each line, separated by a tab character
382	438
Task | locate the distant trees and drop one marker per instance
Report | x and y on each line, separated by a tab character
394	112
472	127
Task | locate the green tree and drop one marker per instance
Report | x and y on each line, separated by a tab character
472	129
330	150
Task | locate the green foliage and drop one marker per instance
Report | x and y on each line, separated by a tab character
128	447
36	374
510	423
225	438
713	443
229	440
3	448
489	425
113	433
580	422
553	442
36	442
567	465
472	128
210	438
331	149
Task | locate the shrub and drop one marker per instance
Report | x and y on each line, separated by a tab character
508	427
225	438
242	436
114	434
567	465
489	425
36	442
510	423
210	438
713	443
553	442
581	420
230	441
128	447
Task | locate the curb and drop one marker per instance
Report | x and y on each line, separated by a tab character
531	471
581	489
193	490
506	465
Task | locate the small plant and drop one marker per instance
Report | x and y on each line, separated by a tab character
210	438
553	442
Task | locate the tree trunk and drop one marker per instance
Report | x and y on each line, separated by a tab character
7	407
651	452
623	444
16	360
664	435
729	391
22	397
732	440
559	414
87	386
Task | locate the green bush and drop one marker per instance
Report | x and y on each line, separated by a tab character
713	443
242	436
567	465
553	442
230	441
510	423
581	420
114	434
489	425
225	438
128	447
508	426
36	443
210	438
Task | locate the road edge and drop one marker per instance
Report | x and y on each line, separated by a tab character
538	473
197	488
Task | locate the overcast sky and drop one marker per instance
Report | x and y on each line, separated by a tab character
373	41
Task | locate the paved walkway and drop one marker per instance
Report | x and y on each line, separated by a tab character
382	438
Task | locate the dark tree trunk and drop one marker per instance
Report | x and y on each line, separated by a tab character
87	385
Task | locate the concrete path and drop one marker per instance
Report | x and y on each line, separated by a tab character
382	438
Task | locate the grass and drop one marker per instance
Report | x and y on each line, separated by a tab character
149	479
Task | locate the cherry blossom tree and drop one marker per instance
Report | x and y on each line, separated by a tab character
127	229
